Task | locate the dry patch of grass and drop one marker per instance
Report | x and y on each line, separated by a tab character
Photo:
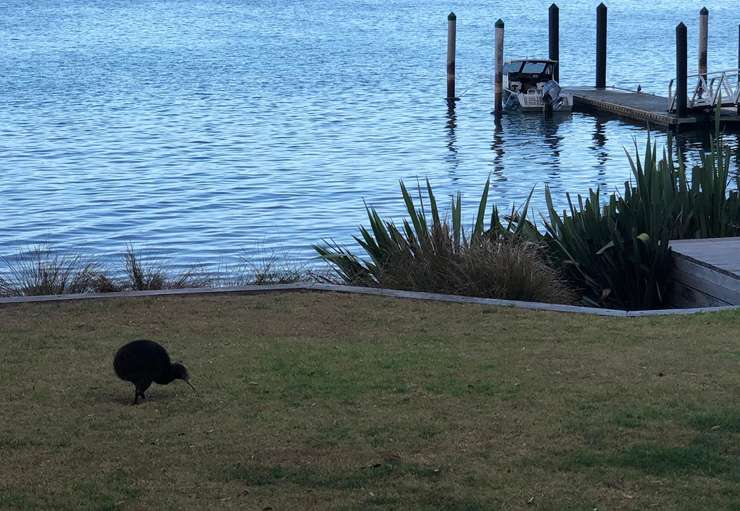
319	401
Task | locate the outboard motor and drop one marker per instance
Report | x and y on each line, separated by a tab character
551	91
551	94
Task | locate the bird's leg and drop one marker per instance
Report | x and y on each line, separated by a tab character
139	393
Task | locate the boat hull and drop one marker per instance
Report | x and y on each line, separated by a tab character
535	103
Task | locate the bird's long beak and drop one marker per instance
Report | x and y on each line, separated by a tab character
191	386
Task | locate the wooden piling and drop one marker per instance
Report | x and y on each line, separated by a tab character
738	68
451	36
681	70
499	85
703	40
601	46
554	37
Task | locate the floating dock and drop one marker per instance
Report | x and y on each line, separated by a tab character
642	107
707	272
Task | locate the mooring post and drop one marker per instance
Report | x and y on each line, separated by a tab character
681	69
554	37
703	40
601	46
499	85
738	72
451	35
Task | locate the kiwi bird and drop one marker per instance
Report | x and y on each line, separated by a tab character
142	362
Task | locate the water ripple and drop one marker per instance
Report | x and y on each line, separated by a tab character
202	130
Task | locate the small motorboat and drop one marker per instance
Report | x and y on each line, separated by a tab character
529	87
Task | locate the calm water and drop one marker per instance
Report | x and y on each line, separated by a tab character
201	130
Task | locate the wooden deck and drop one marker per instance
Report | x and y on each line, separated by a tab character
642	107
707	272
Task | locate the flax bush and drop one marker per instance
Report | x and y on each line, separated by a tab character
616	251
498	259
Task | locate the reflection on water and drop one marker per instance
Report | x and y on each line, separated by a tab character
204	129
599	142
498	152
451	139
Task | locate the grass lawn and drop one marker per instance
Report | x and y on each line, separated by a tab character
322	401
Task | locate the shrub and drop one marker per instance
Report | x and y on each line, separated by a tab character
437	256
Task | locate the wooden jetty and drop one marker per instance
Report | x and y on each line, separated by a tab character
707	272
682	109
642	107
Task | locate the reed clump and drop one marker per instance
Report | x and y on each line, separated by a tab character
40	271
273	268
43	271
145	274
497	259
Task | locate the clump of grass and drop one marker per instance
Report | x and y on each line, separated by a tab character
142	274
41	271
495	260
105	284
273	269
265	269
511	269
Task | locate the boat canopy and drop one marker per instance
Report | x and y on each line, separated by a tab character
533	69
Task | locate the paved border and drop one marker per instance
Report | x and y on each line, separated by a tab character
390	293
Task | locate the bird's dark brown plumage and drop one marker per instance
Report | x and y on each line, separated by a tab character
142	362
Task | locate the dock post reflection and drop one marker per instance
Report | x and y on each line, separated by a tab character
450	127
550	126
682	147
498	152
599	143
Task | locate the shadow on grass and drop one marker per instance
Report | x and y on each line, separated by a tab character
124	395
676	441
707	454
726	420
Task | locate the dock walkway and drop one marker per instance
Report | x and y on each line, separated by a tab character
642	107
707	272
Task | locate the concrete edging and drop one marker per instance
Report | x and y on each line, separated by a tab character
389	293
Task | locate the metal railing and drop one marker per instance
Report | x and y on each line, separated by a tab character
710	90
